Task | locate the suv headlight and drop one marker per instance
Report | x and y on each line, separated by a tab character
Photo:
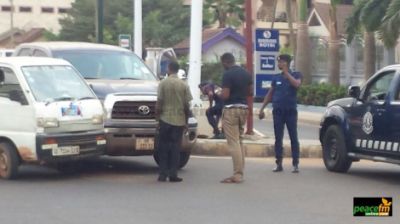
48	122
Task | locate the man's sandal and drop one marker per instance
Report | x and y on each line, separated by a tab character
231	180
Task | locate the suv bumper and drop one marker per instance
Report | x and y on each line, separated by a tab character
122	138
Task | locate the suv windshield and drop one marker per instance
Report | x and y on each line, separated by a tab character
56	83
107	64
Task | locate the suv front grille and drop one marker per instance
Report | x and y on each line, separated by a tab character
133	110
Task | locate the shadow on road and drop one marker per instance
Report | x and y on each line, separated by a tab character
100	166
383	176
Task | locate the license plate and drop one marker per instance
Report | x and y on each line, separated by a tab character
144	143
66	150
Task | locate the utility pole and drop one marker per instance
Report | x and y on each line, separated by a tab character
137	12
196	25
12	22
99	23
249	62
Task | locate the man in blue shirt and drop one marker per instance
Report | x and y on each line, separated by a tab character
282	94
214	111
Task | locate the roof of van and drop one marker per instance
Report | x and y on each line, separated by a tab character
29	61
64	45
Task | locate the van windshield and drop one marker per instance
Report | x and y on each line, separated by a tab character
56	83
102	64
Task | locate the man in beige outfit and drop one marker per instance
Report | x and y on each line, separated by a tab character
236	86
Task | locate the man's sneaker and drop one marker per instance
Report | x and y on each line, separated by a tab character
295	169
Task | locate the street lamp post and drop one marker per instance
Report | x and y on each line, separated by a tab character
249	62
99	27
12	22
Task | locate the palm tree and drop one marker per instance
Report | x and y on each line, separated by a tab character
390	30
333	45
302	58
367	15
226	12
290	24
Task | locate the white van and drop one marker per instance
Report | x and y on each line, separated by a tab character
48	114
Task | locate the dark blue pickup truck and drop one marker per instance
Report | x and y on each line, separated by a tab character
364	126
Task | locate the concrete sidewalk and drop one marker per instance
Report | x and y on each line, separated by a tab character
260	144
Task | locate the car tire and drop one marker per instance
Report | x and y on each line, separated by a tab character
9	161
184	159
335	150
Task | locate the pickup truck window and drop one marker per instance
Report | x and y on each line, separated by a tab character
378	88
103	64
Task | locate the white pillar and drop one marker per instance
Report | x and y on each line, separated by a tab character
138	27
196	25
389	57
350	62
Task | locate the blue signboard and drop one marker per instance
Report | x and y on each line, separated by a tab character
263	84
267	40
267	62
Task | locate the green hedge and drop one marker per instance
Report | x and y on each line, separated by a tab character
320	94
212	72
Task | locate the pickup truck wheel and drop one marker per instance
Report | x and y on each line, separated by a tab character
185	156
9	161
184	159
335	151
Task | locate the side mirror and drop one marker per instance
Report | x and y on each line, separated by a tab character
1	76
18	96
354	91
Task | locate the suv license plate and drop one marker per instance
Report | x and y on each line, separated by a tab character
144	143
66	150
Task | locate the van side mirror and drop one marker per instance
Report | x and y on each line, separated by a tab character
18	96
354	91
1	76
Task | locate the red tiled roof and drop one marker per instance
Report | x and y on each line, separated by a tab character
30	35
207	35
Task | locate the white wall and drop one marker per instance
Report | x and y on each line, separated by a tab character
35	18
226	45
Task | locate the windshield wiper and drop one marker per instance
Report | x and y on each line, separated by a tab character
90	78
129	78
52	100
87	98
63	98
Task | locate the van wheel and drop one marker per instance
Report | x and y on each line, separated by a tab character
335	150
8	161
184	159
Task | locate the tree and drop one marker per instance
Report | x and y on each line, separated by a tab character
389	30
165	23
226	12
333	45
367	16
302	58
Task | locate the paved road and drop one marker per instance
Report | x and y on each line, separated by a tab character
125	190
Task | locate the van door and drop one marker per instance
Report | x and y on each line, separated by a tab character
17	116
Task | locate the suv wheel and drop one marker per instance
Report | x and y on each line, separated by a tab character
335	151
9	161
184	159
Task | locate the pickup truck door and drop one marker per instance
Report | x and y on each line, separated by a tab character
394	117
369	117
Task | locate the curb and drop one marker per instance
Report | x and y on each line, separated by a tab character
258	148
